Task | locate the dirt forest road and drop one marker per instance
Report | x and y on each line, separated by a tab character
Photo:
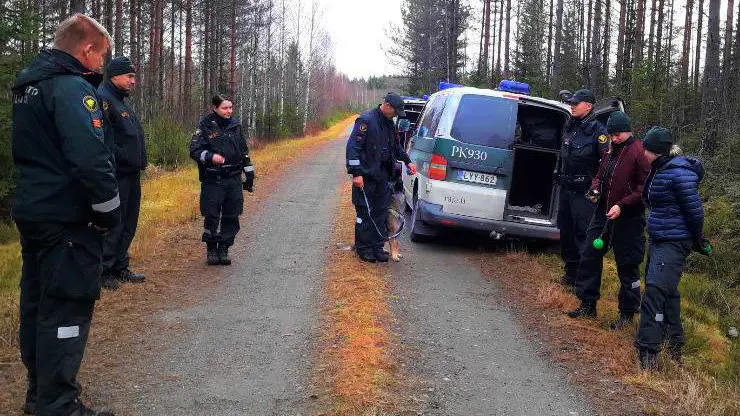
248	346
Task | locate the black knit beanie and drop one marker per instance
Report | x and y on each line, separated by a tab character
618	122
120	65
658	140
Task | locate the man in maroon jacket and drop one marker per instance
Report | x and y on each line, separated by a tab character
620	217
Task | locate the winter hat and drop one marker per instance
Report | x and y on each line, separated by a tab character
658	140
618	122
120	65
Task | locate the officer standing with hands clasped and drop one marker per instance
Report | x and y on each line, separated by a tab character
584	144
619	221
222	154
127	144
372	151
66	198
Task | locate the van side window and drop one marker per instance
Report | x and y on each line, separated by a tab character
429	123
485	121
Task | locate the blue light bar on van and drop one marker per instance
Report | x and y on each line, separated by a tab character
514	86
447	85
425	97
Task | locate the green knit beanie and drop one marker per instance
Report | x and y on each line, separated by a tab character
618	122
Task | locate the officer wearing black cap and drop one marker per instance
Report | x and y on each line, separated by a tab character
125	137
584	143
372	151
219	148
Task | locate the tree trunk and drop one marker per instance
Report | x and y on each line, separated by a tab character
658	59
486	36
620	41
507	42
711	78
606	48
686	49
187	81
549	43
309	65
500	33
697	57
588	39
118	32
651	36
637	53
77	6
557	57
206	52
108	18
232	52
594	75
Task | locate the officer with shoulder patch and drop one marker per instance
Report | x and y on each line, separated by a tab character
372	151
127	144
66	199
584	144
219	148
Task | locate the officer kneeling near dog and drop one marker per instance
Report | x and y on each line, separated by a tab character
222	154
619	221
372	151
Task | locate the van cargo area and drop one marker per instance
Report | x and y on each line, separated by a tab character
536	153
531	191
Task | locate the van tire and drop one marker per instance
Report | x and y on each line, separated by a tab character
419	231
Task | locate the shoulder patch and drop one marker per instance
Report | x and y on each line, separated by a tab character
89	102
106	105
603	139
363	126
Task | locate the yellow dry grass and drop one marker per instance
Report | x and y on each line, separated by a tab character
688	390
356	357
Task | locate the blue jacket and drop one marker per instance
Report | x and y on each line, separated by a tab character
671	193
372	148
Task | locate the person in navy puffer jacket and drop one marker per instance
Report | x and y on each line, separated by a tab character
675	226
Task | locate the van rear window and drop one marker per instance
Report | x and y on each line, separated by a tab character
485	121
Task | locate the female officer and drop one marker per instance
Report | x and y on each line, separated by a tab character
219	148
675	224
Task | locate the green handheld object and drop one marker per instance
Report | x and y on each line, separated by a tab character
708	249
598	244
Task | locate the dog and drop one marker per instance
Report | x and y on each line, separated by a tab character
396	209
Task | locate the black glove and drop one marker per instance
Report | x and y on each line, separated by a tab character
593	195
248	184
102	222
703	247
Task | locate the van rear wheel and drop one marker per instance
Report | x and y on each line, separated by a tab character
419	232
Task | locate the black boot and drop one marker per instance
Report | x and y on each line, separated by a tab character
367	256
380	255
110	282
648	360
223	255
625	319
212	255
83	410
127	275
586	310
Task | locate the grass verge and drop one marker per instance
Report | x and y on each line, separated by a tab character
356	363
707	384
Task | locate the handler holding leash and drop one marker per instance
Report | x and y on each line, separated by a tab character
372	150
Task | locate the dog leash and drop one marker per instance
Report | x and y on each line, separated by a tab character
377	229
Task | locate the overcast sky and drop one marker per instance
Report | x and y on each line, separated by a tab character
357	29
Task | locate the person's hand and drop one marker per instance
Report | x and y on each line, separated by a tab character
412	168
358	182
614	213
217	159
703	247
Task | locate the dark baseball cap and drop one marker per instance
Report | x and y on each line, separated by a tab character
581	96
396	102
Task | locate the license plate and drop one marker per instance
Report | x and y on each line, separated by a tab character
476	177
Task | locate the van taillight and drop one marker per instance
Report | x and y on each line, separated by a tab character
438	168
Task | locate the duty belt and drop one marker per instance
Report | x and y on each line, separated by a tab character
575	181
223	172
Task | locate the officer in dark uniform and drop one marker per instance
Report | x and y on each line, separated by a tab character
372	151
222	154
66	198
584	144
126	139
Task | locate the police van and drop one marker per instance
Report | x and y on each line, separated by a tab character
488	161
